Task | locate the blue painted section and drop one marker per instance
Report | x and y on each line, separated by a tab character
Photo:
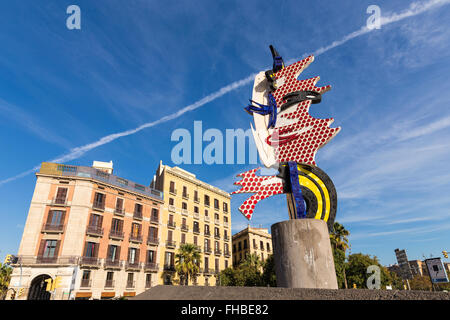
263	109
296	191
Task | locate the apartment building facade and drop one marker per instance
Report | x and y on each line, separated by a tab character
197	213
91	229
251	240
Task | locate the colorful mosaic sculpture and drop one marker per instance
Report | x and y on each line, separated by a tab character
287	138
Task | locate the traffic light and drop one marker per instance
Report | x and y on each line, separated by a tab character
13	295
57	282
10	259
20	292
53	284
49	284
354	286
445	253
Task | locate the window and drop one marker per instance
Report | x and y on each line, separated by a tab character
239	246
245	243
225	234
116	225
254	244
170	219
225	207
130	278
151	256
268	246
153	233
184	205
196	209
184	191
169	259
216	245
109	276
133	255
261	245
119	205
169	235
196	226
196	195
206	263
184	222
138	209
216	216
50	248
55	217
91	249
262	256
216	204
183	238
148	280
99	200
206	213
96	220
206	200
172	187
113	253
225	219
216	232
234	247
207	244
217	265
135	230
225	248
226	264
86	275
61	195
195	240
155	214
171	201
206	229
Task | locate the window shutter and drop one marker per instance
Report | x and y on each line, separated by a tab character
136	258
57	248
85	249
41	248
120	225
118	253
100	221
62	193
50	217
96	250
63	216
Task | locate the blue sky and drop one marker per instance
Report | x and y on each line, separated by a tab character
64	92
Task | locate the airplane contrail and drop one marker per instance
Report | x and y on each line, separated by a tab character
414	9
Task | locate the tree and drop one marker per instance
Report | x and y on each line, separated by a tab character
420	283
247	273
5	278
269	277
339	244
187	262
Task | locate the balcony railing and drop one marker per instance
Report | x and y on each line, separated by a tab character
98	205
135	238
130	284
185	196
154	220
86	283
173	191
217	236
225	224
207	219
171	244
137	215
184	227
227	253
59	201
184	212
208	250
94	231
171	224
169	267
151	266
119	212
196	230
217	252
90	261
196	215
196	200
152	241
113	234
33	260
208	271
53	228
217	221
226	238
109	284
132	265
207	233
112	264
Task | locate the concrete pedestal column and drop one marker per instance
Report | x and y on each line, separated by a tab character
303	256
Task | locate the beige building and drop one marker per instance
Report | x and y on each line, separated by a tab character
104	236
249	241
194	212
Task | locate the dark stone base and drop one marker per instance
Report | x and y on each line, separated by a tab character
263	293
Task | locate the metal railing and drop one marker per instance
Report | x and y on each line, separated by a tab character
135	238
86	283
184	227
169	267
112	263
208	250
153	241
119	212
154	220
94	231
217	252
196	230
151	266
207	233
171	244
184	212
33	260
59	201
109	284
132	265
56	228
131	284
90	261
171	224
98	205
116	234
137	215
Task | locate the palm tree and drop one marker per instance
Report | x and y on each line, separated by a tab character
252	261
187	262
339	241
5	277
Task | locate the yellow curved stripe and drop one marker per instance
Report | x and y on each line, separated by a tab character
304	181
324	188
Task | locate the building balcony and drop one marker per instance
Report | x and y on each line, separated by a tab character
207	233
217	236
41	260
100	206
196	230
217	222
226	224
117	235
185	196
86	283
184	212
152	241
154	220
59	202
109	284
52	228
173	191
151	266
90	262
207	219
119	212
169	267
217	252
208	271
196	215
227	253
171	224
135	238
94	231
132	265
171	208
184	227
208	250
196	200
171	244
112	264
131	284
137	215
226	238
